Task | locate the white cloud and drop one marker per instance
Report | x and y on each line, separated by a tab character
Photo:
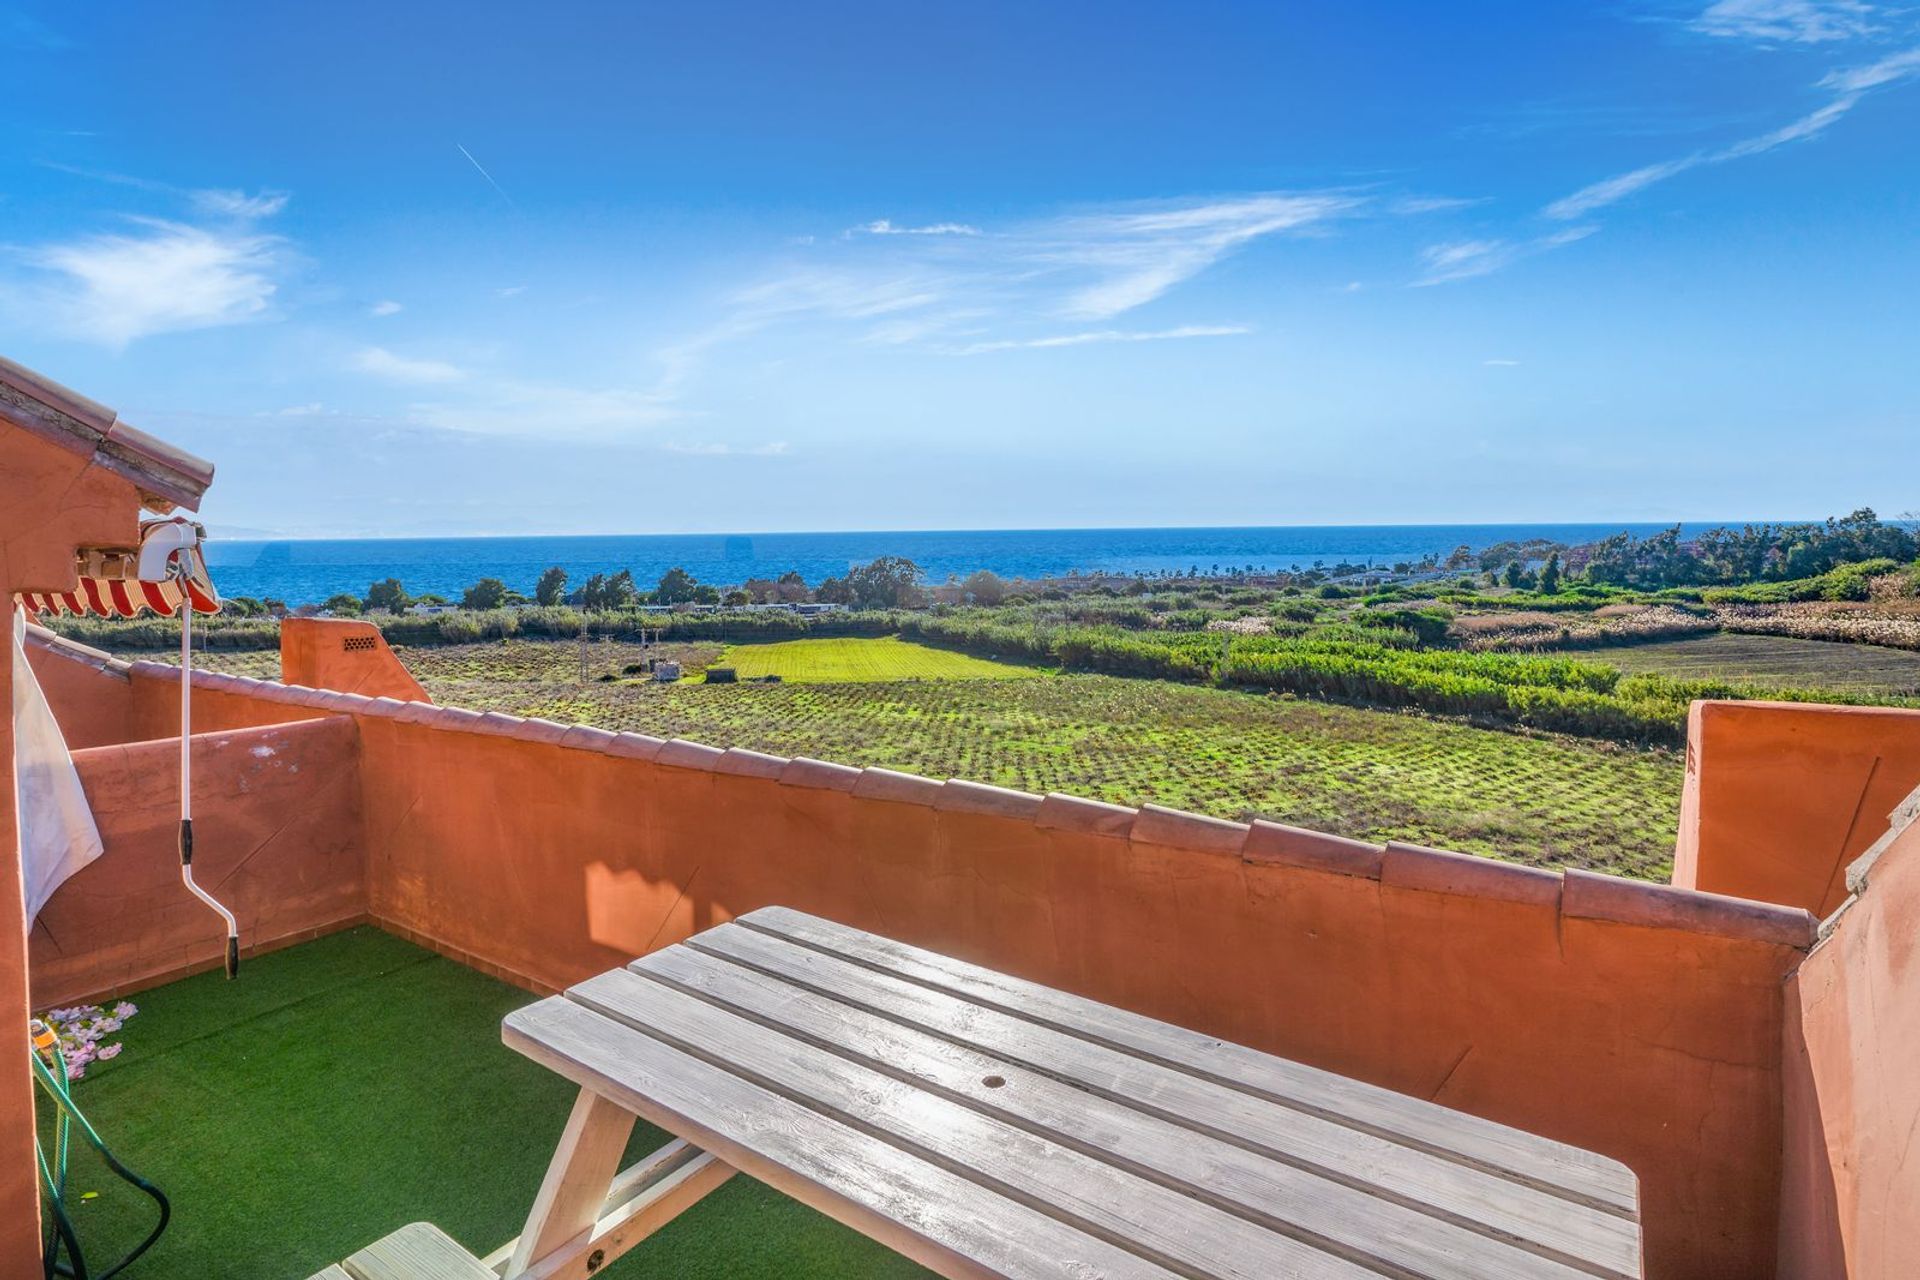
160	277
956	287
314	409
382	363
1137	255
545	411
1501	364
1413	206
1888	70
1799	21
385	307
1102	335
511	291
1466	259
238	204
885	227
1612	190
1848	86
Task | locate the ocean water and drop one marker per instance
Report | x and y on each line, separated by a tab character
308	571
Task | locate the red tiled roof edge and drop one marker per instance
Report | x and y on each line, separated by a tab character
165	476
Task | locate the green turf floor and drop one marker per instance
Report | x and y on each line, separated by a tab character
340	1089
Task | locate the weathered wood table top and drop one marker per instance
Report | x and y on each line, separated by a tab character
988	1126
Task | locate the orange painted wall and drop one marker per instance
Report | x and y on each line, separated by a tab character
1780	797
345	655
51	501
1484	987
277	839
1644	1022
1850	1198
90	693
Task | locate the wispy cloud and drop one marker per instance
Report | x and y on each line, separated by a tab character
226	203
156	277
1101	335
1797	21
1136	255
1848	87
1466	259
886	227
385	307
1501	364
547	411
382	363
958	288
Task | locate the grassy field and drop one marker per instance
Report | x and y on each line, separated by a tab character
1775	660
1539	798
343	1088
1547	800
888	658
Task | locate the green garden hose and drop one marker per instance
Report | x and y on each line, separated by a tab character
50	1070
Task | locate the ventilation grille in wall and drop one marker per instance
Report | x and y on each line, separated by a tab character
357	644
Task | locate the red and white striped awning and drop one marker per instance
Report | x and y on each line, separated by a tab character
111	585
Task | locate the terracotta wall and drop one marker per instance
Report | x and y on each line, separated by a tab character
52	500
346	655
1637	1020
89	691
1850	1197
277	840
1634	1019
1781	796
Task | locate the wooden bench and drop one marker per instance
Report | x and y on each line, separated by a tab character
420	1251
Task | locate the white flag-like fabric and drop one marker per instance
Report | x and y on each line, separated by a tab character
58	835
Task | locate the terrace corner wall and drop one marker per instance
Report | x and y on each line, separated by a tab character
1850	1190
548	853
277	839
53	499
344	655
89	691
1781	797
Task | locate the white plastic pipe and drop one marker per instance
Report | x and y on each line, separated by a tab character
186	773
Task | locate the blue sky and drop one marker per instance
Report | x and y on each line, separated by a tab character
480	268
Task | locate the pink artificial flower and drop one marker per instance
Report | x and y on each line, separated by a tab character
108	1051
125	1009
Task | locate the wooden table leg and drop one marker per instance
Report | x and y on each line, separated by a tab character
577	1180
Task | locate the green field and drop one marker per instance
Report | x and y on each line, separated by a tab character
1543	799
1775	660
838	661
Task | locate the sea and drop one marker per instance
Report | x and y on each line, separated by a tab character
308	571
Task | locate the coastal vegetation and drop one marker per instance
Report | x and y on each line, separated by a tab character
1513	701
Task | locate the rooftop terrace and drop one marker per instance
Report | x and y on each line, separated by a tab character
1741	1039
356	1083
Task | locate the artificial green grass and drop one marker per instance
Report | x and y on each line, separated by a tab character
343	1088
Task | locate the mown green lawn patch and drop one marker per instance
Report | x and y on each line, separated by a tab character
863	659
341	1089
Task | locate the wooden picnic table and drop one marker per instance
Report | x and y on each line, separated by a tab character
988	1126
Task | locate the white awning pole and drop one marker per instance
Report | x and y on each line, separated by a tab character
186	774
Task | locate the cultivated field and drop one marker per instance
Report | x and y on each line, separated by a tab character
841	660
1380	775
1776	660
